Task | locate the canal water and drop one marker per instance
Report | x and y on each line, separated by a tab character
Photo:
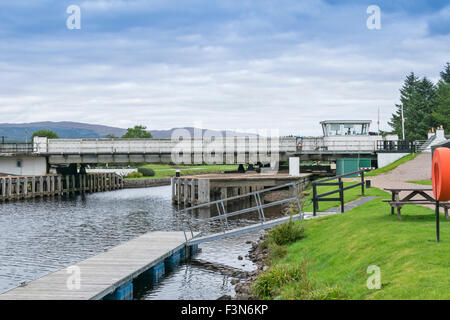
41	236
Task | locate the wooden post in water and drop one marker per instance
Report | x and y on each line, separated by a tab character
193	192
3	189
33	187
185	191
17	188
53	185
74	185
25	187
59	185
41	186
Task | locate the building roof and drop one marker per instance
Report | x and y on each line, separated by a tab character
345	121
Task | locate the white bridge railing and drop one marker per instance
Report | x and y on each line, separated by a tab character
165	146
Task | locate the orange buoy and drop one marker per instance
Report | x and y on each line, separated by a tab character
441	174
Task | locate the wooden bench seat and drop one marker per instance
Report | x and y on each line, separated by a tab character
399	204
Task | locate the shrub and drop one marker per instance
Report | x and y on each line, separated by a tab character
328	293
268	285
276	252
285	233
134	175
147	172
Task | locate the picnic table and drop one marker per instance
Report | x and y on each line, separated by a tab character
424	198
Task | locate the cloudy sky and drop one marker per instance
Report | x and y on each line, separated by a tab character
219	64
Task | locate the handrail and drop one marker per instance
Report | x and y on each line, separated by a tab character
293	184
223	215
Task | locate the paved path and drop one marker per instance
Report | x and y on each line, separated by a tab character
348	206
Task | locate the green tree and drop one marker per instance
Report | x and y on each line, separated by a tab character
442	112
445	75
418	98
138	132
406	97
45	133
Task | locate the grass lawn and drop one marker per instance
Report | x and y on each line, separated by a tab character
167	170
340	248
391	166
424	182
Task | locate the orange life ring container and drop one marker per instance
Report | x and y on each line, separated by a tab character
441	174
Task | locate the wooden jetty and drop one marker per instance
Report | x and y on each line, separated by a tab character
22	187
110	274
198	189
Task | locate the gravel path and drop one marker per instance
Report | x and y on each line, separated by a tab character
414	170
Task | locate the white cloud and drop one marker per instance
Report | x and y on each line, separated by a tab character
227	76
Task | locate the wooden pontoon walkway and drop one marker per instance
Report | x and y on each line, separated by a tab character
105	272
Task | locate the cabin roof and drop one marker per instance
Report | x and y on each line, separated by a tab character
345	121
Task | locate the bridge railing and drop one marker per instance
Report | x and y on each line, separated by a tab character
223	215
16	147
166	146
397	146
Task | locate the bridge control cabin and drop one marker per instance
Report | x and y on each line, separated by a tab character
347	143
345	127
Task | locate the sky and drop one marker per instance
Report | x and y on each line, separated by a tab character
220	64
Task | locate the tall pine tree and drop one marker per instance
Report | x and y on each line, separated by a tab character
445	75
442	112
418	99
406	97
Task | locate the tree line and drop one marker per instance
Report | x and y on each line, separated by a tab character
137	132
425	105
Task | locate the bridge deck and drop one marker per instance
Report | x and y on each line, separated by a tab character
103	273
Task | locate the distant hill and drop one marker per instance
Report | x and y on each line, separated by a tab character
15	132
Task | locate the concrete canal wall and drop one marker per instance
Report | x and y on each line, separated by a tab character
146	183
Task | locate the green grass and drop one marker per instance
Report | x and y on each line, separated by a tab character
391	166
338	250
424	182
167	170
